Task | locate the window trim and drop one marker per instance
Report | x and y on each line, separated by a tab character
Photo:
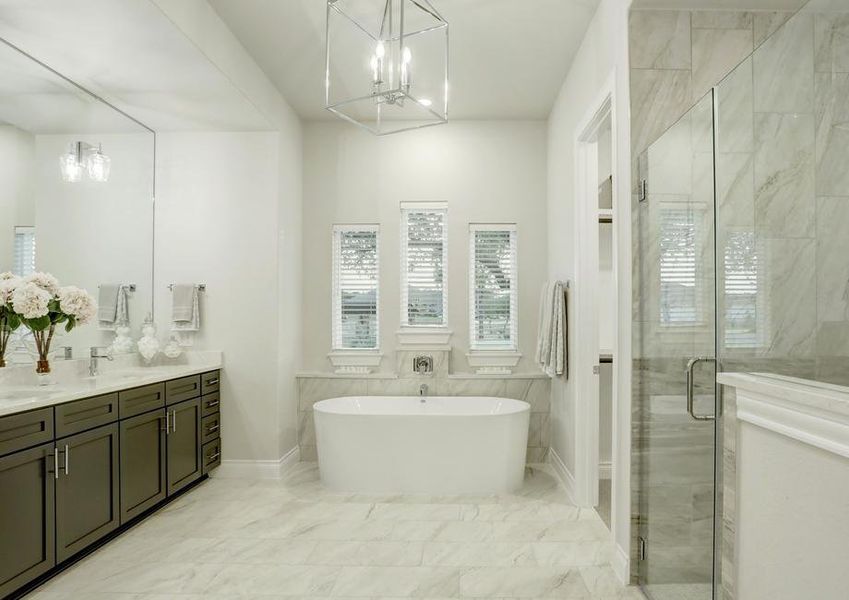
479	350
341	356
418	334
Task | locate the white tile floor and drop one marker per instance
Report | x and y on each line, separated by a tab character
231	538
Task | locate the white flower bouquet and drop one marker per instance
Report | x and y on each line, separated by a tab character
9	321
39	303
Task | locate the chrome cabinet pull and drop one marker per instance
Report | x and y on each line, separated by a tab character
213	457
212	381
213	428
212	403
55	463
174	421
167	421
691	387
67	459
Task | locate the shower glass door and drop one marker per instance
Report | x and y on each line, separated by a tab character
674	368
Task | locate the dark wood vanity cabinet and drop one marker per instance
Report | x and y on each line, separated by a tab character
27	505
73	473
184	445
87	489
143	463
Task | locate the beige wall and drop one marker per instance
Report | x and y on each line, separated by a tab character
485	171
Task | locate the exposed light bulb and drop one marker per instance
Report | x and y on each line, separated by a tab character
406	58
377	64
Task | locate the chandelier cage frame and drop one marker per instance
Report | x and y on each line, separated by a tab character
435	111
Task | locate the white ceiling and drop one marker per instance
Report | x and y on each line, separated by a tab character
508	57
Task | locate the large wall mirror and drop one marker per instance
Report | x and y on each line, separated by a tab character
76	200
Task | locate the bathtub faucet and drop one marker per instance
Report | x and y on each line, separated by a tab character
423	391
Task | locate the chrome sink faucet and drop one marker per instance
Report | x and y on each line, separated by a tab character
423	389
95	356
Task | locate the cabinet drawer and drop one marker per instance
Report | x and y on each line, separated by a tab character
210	382
185	388
210	403
141	400
210	428
25	430
82	415
211	456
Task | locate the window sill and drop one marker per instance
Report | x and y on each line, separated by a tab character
493	362
424	336
355	361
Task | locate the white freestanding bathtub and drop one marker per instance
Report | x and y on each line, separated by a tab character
444	445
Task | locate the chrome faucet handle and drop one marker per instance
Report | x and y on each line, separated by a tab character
107	352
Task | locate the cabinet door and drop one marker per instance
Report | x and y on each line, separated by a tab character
142	463
184	445
26	517
87	491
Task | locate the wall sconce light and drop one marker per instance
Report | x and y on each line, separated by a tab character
84	157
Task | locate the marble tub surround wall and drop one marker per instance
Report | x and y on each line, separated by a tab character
532	388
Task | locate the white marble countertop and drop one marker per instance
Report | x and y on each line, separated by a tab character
803	393
19	392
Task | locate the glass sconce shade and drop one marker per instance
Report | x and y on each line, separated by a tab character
70	167
98	166
84	157
387	64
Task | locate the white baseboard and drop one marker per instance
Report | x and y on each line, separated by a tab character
257	469
621	564
567	480
605	470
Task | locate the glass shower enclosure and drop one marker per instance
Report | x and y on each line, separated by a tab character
742	242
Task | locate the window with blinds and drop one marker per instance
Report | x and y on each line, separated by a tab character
493	293
743	317
356	273
681	286
424	254
24	251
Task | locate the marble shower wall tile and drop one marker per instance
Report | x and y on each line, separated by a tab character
833	261
790	295
658	99
832	133
716	52
784	175
765	23
736	127
784	68
831	39
721	19
660	39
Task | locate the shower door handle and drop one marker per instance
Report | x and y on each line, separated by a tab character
691	387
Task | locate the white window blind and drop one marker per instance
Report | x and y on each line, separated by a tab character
24	251
493	292
356	273
743	317
681	285
424	256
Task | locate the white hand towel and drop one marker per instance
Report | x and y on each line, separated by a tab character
185	312
553	327
109	306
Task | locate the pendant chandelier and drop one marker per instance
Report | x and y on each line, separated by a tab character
387	64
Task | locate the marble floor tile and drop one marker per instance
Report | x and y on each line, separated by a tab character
290	538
